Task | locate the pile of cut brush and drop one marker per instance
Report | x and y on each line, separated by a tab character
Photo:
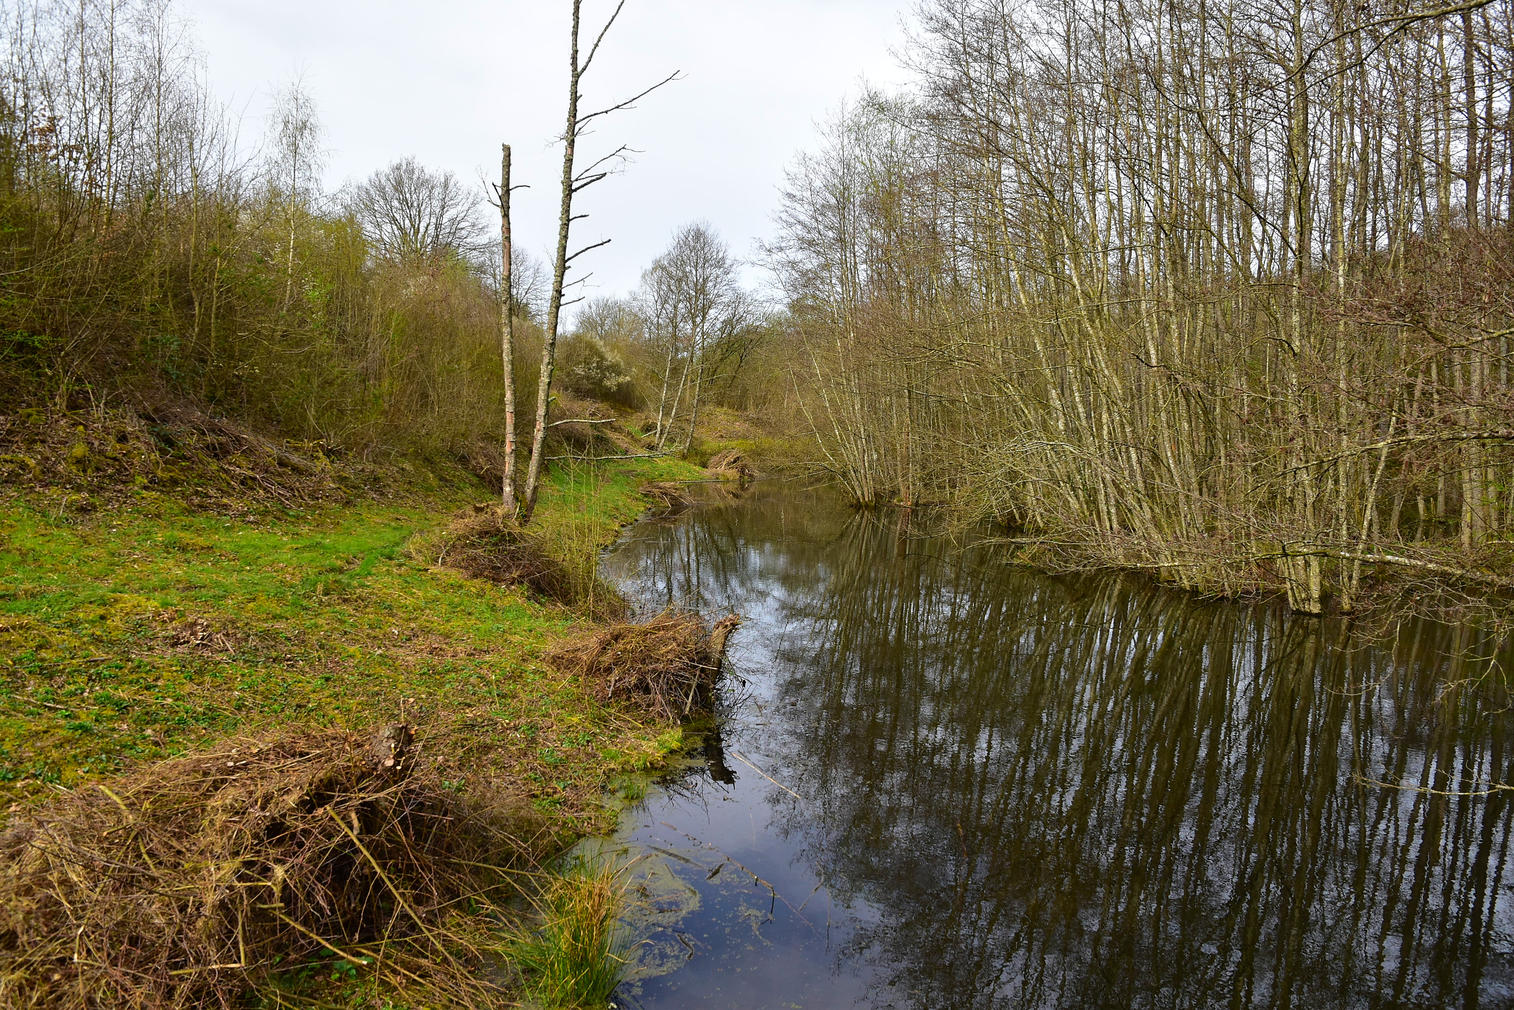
486	543
191	881
669	497
210	460
667	665
731	464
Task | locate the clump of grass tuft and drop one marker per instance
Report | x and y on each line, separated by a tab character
575	957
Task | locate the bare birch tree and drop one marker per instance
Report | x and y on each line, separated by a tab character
297	161
574	181
507	322
690	299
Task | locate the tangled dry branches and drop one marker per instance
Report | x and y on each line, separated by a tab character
667	665
183	884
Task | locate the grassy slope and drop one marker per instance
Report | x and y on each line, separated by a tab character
143	630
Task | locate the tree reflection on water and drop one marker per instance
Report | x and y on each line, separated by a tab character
1095	792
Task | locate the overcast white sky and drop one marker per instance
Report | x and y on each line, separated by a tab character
448	81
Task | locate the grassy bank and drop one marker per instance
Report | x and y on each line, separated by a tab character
146	628
137	632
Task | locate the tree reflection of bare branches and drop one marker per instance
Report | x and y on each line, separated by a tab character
1067	793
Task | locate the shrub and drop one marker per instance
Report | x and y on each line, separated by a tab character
591	369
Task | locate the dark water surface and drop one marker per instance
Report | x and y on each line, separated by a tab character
950	783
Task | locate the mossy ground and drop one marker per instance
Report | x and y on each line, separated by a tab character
147	629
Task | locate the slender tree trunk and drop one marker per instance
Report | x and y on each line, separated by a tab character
688	438
662	397
665	414
294	180
672	419
507	327
559	273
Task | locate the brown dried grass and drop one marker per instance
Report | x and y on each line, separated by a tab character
485	459
197	634
186	883
167	445
666	666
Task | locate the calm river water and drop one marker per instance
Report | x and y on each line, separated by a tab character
944	782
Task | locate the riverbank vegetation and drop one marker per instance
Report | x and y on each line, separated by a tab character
245	428
574	958
1222	293
191	695
136	630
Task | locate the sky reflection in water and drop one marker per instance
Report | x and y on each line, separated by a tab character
948	783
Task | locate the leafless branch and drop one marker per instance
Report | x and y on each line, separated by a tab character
582	420
630	102
594	49
588	248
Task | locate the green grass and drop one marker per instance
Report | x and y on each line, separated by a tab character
143	631
573	958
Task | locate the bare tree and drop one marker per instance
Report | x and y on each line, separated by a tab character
412	214
528	274
609	320
529	284
691	299
296	166
507	322
574	181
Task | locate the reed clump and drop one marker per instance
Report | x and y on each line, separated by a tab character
576	954
191	882
667	665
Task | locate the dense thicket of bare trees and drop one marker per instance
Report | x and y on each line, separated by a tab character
690	303
1219	290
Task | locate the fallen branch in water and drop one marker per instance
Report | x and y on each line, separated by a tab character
1398	560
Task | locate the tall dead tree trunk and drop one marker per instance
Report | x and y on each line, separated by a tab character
572	183
559	274
507	327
